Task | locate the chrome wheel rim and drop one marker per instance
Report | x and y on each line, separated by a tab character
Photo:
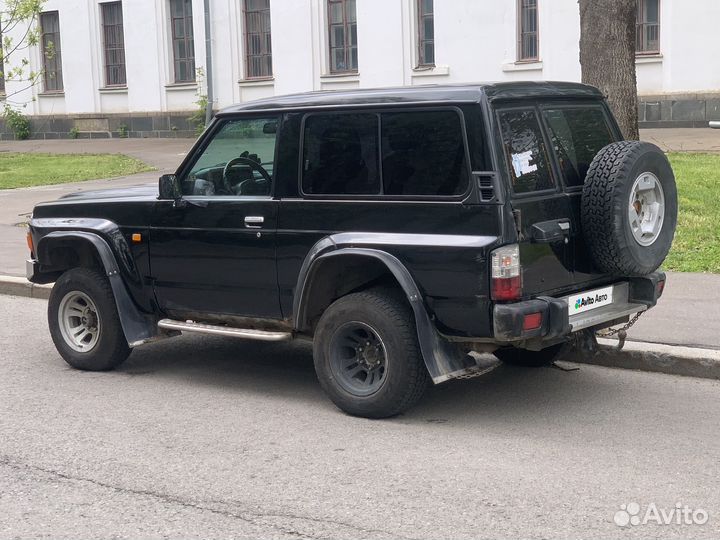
358	359
79	321
646	210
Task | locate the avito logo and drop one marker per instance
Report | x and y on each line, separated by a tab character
590	300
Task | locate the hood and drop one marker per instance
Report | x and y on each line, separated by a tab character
143	191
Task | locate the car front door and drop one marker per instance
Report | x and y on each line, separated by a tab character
213	252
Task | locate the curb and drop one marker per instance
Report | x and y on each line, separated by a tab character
638	355
19	286
652	357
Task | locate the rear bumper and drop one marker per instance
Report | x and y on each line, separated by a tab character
631	296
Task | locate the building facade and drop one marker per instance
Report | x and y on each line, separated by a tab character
138	67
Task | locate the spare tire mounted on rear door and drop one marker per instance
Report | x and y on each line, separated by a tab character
629	208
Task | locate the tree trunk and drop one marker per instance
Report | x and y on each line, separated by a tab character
607	56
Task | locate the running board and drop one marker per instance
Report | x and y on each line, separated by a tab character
244	333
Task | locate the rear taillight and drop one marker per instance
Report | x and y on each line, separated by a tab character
660	287
505	278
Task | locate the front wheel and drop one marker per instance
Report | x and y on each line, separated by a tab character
367	356
527	358
84	323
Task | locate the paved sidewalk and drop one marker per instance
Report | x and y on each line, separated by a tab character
688	314
684	139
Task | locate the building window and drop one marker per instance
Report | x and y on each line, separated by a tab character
343	36
258	42
52	55
528	44
426	33
113	44
648	27
183	40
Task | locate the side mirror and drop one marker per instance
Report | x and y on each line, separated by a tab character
169	187
270	128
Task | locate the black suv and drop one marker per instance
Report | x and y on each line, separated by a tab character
398	229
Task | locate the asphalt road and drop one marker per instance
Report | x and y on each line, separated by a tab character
213	438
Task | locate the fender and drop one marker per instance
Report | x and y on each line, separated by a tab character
137	326
443	359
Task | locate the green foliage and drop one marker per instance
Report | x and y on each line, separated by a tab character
696	247
17	122
30	169
123	131
197	119
74	132
13	60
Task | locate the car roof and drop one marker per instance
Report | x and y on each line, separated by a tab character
451	93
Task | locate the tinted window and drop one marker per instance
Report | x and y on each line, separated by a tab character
340	154
577	136
235	159
525	151
423	153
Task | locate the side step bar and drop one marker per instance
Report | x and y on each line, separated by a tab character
244	333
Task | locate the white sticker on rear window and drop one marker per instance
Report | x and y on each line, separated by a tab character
521	163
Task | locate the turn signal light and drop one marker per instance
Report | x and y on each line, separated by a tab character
506	281
31	247
532	321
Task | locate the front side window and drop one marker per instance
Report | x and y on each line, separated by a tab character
340	155
426	33
577	135
113	44
258	42
52	54
525	151
343	36
423	153
237	161
528	42
648	27
183	41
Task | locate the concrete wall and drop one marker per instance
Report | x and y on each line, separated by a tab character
475	40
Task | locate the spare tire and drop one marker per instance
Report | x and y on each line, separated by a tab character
629	208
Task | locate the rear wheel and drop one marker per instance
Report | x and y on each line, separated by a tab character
526	358
367	357
84	323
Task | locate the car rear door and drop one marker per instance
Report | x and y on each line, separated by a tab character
542	209
577	131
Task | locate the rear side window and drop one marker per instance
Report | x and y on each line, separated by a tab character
577	134
340	155
413	153
423	153
525	151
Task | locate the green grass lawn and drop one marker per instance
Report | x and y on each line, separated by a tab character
697	240
24	170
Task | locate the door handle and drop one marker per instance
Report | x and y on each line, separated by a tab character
254	222
547	232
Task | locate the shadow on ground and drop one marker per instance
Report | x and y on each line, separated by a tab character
286	370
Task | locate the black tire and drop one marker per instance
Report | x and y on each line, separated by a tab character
111	348
525	358
406	376
606	202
